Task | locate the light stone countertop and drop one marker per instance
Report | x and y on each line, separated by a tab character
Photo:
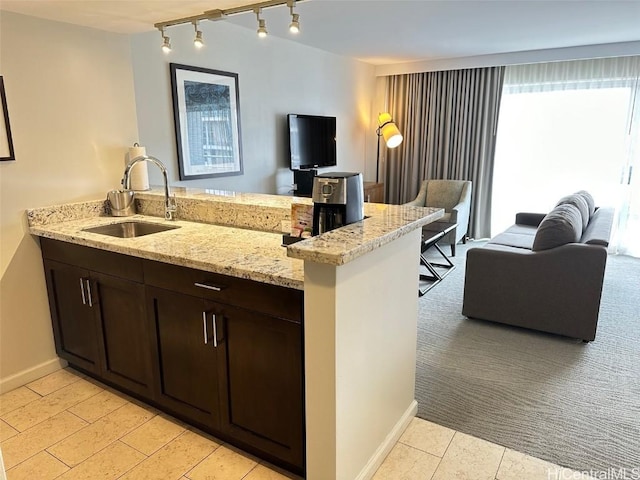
209	238
230	251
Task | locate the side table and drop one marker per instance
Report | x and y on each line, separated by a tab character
431	234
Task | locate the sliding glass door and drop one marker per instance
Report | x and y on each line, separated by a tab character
565	127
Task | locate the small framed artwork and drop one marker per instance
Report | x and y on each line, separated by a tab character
6	142
206	112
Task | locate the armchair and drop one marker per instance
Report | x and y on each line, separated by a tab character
455	197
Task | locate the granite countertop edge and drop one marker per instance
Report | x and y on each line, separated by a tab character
241	252
191	246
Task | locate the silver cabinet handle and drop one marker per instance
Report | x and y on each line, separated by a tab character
215	330
89	292
204	327
215	288
84	298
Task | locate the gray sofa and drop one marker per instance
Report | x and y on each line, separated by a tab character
545	272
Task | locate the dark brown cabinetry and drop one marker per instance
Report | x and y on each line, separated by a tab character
221	352
74	325
99	320
230	357
262	389
187	364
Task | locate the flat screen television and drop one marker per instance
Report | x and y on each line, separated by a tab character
312	141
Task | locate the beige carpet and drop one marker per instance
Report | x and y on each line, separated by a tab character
574	404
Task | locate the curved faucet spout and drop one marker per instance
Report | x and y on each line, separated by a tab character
169	203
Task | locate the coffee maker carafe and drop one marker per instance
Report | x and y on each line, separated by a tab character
338	200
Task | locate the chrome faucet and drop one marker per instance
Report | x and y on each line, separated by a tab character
169	202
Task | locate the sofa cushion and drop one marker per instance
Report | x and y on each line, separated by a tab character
560	226
516	240
581	204
517	236
589	199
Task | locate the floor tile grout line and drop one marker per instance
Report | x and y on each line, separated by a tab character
186	474
86	426
437	467
45	449
34	400
97	452
53	391
455	432
504	450
50	416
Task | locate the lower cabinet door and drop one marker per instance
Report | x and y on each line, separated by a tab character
75	325
261	382
125	345
187	369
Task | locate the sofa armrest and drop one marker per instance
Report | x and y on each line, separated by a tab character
531	219
556	290
598	230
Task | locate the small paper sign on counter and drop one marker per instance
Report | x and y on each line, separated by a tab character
301	220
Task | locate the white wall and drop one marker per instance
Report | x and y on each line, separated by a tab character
72	111
72	105
276	77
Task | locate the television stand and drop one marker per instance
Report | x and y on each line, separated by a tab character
303	182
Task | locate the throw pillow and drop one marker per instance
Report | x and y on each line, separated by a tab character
589	199
560	226
581	204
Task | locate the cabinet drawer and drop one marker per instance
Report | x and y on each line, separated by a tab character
270	299
95	259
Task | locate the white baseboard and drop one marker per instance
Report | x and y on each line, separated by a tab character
31	374
389	442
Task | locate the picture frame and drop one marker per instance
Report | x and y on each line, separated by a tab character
206	111
6	142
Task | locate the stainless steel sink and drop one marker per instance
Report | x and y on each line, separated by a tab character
130	229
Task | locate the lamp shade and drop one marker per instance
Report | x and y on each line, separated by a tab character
389	130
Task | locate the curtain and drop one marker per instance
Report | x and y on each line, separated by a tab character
449	122
567	126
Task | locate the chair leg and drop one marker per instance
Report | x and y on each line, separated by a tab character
464	239
453	249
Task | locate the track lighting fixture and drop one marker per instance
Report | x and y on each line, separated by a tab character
262	27
294	26
166	42
198	41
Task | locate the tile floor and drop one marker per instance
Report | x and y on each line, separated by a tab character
66	426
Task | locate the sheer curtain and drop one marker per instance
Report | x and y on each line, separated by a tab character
449	121
567	126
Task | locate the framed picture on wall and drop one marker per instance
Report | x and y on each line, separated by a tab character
206	112
6	142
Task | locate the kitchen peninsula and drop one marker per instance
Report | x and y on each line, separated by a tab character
358	285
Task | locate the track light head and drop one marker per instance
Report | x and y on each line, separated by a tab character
294	26
166	45
166	42
262	28
198	42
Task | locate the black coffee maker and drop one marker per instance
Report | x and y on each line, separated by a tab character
338	199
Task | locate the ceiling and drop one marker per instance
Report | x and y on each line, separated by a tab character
382	31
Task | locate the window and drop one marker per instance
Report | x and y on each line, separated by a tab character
569	126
